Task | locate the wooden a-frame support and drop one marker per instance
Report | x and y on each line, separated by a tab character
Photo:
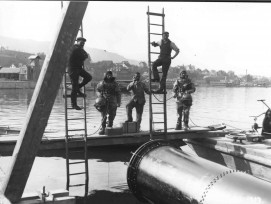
42	101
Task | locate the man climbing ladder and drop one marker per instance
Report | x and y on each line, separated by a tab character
164	60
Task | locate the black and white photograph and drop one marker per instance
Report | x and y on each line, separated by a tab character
132	102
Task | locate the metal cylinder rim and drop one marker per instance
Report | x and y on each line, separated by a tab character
135	161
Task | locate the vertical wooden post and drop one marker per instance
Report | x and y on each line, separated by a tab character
42	101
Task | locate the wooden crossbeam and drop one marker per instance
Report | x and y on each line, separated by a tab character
42	101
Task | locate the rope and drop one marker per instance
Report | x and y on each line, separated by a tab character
102	120
161	101
194	123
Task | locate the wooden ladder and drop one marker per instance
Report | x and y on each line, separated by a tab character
155	108
76	136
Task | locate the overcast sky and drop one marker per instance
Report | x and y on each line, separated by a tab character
218	35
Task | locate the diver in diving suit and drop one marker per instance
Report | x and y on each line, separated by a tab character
182	89
109	89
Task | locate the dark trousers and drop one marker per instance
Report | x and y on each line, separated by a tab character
183	111
139	110
165	63
74	76
111	110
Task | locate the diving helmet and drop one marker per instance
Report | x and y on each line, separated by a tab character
183	74
100	103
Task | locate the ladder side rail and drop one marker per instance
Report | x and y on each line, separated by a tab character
150	65
165	93
66	133
150	73
85	135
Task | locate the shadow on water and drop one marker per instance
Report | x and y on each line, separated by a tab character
121	153
102	196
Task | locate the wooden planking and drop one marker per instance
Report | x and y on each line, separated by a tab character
42	101
7	143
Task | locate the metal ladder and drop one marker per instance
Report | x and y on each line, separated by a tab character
74	136
155	104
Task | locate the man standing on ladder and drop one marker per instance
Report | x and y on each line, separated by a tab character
164	59
75	69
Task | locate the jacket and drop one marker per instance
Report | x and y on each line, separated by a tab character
77	57
138	88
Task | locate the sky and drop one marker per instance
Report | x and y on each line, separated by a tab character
210	35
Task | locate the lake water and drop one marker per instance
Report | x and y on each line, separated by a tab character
212	105
107	167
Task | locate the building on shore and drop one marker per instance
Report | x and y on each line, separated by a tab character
29	72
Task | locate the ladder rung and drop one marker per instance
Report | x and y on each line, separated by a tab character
69	95
160	72
73	108
77	162
76	140
73	174
155	52
76	119
155	34
157	103
155	24
76	130
158	113
76	185
76	151
76	136
155	14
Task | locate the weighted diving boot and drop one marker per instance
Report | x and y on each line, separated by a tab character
102	131
186	127
110	124
178	126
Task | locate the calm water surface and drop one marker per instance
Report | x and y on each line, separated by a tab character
212	105
107	172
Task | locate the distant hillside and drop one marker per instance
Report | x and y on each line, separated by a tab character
32	46
9	57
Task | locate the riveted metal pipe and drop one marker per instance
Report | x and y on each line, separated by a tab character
162	174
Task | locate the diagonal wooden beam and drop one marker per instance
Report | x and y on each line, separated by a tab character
42	101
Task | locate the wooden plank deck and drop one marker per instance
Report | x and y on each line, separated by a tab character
7	142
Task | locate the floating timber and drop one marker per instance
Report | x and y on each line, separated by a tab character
7	142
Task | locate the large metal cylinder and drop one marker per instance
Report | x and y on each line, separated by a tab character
161	174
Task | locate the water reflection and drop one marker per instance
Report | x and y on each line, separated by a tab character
212	105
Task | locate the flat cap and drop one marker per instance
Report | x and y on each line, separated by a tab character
81	39
165	32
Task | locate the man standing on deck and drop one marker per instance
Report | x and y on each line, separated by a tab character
75	69
109	89
138	100
164	60
182	90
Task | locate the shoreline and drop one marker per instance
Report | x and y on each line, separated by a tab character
92	85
